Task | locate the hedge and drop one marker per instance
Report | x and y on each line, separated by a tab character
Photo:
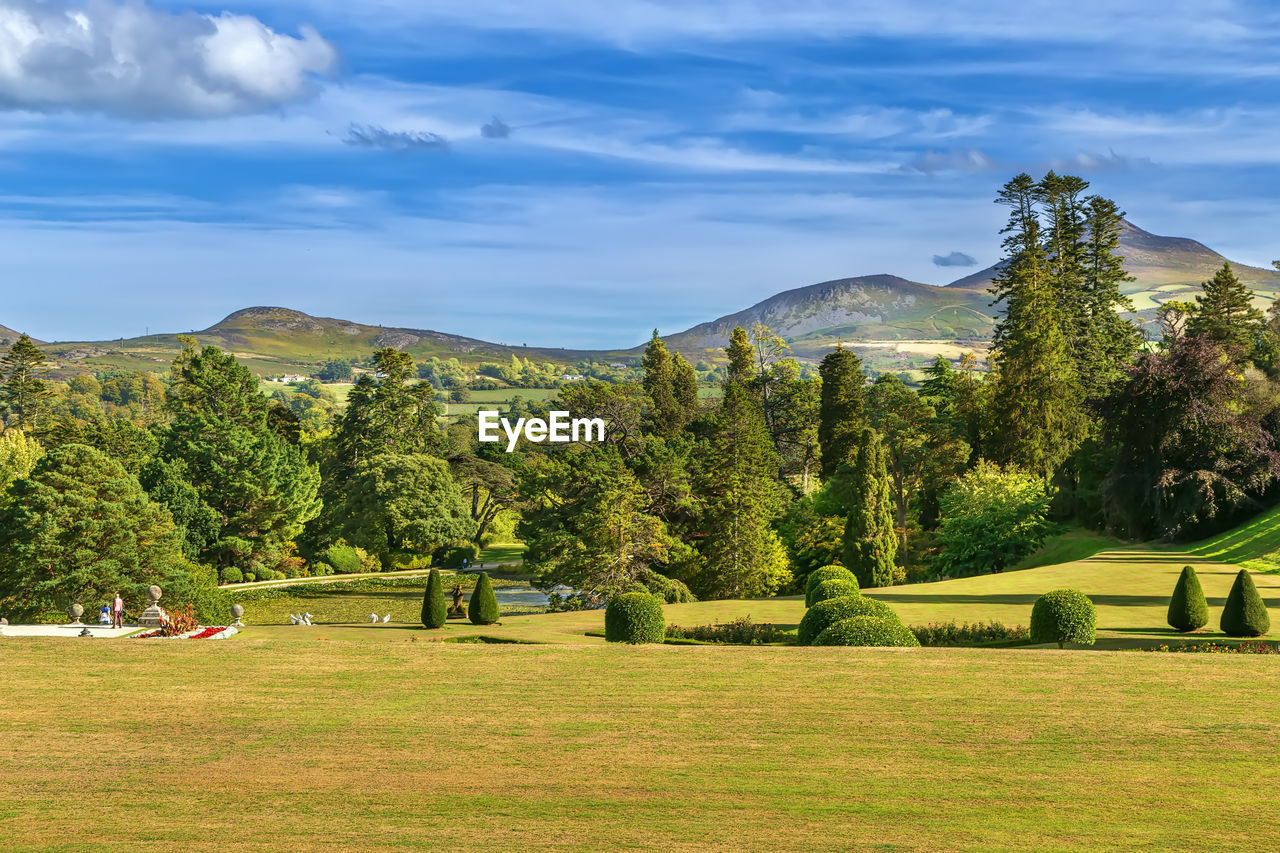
1188	609
634	617
435	612
1245	614
867	631
1064	616
834	588
482	609
824	614
826	573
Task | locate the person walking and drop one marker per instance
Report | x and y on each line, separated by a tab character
117	612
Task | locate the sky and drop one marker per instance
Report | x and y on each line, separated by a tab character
566	173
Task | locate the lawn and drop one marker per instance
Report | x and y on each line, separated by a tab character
1255	544
253	744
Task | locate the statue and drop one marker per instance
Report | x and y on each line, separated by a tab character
456	611
153	616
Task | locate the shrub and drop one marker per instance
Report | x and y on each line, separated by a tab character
966	634
482	609
320	569
668	589
634	617
1063	616
824	614
232	575
1187	608
250	577
343	557
451	557
1244	615
435	612
867	631
834	588
739	632
179	620
826	573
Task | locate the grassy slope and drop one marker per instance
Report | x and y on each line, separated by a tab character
258	744
1254	544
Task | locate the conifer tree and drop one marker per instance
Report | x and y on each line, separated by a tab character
435	612
1108	342
840	408
482	609
742	357
1245	613
1188	609
1225	314
684	385
870	542
665	418
23	396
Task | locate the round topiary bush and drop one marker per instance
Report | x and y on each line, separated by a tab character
824	614
232	575
1244	614
834	588
635	617
826	573
867	631
435	612
1188	609
482	609
1064	616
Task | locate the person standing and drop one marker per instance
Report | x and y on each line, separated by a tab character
117	612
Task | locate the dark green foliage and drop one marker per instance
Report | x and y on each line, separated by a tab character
870	543
668	589
435	611
1245	613
738	632
1064	616
166	483
453	556
634	617
1225	314
666	416
840	415
826	573
347	559
867	631
834	588
966	634
24	397
482	609
742	357
232	575
826	613
1188	609
335	370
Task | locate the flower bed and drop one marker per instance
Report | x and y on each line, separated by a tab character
213	632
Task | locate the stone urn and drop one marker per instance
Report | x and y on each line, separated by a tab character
76	611
237	611
153	616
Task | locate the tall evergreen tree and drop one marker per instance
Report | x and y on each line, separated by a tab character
665	417
684	385
1037	393
870	542
24	397
387	413
435	612
840	408
1107	342
1225	314
742	357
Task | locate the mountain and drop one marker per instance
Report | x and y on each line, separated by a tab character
8	336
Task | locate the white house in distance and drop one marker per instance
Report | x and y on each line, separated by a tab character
285	380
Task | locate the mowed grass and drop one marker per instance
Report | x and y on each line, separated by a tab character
1255	544
253	744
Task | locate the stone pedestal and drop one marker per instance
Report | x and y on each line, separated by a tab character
153	616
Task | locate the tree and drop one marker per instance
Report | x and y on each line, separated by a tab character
482	609
386	414
1188	609
742	357
1225	314
742	556
335	370
666	416
1245	613
991	518
405	503
489	486
870	542
79	529
1106	342
840	418
1191	453
684	385
435	612
166	483
19	453
24	397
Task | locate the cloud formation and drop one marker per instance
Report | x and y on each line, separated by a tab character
133	60
375	136
496	129
955	259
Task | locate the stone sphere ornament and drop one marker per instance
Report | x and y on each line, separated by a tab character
76	611
153	593
237	611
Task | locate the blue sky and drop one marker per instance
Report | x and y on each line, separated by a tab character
573	174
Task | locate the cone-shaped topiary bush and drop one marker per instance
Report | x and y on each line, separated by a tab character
434	610
824	614
1244	615
482	609
867	631
1064	616
835	588
826	573
635	617
1187	609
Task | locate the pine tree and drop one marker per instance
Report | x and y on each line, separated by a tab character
1245	613
435	612
1108	342
23	396
482	609
1188	609
1037	393
870	542
840	408
742	357
684	385
665	418
1225	314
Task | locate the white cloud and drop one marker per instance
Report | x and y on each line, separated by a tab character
127	58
